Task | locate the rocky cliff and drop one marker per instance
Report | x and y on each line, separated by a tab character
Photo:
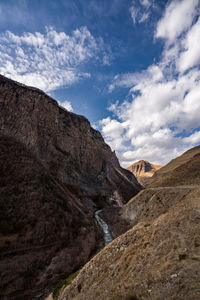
55	171
143	170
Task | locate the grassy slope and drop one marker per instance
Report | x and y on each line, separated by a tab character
157	259
183	170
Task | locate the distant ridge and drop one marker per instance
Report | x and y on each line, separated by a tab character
143	170
184	169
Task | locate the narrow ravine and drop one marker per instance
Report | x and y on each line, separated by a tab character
107	235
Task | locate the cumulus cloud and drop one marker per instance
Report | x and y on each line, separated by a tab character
49	60
113	132
129	79
193	138
66	104
177	18
160	118
190	57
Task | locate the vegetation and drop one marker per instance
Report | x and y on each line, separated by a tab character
182	256
64	282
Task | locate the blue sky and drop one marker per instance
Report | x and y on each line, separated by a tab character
130	66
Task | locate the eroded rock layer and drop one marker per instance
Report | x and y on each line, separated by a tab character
143	170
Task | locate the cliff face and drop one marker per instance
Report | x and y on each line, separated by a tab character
54	169
65	142
143	170
46	232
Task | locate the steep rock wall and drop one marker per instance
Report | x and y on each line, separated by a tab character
54	168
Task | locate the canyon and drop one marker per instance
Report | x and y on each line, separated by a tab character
75	225
56	171
158	257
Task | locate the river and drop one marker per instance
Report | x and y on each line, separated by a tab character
107	235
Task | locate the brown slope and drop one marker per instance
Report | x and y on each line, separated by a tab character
157	259
53	165
183	170
143	170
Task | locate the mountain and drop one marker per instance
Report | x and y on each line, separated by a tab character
184	169
56	170
158	258
143	170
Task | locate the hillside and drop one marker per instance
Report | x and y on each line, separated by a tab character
184	169
158	258
143	170
56	170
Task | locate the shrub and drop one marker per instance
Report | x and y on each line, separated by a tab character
182	256
147	225
62	283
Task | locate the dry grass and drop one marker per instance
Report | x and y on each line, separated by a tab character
181	170
187	173
144	263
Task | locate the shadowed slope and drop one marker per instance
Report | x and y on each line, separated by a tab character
55	171
42	237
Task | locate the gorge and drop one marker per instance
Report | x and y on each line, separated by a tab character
64	197
56	171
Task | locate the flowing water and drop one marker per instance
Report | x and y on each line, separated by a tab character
107	236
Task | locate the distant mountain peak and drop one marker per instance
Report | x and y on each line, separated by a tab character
143	170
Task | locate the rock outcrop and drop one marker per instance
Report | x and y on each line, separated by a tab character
143	170
55	171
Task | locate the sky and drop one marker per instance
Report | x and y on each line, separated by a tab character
132	67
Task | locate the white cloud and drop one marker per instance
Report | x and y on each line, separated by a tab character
141	12
66	104
127	80
193	138
48	60
145	3
190	57
113	133
165	98
144	17
178	17
134	12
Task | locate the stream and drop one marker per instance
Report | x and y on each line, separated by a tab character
107	235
